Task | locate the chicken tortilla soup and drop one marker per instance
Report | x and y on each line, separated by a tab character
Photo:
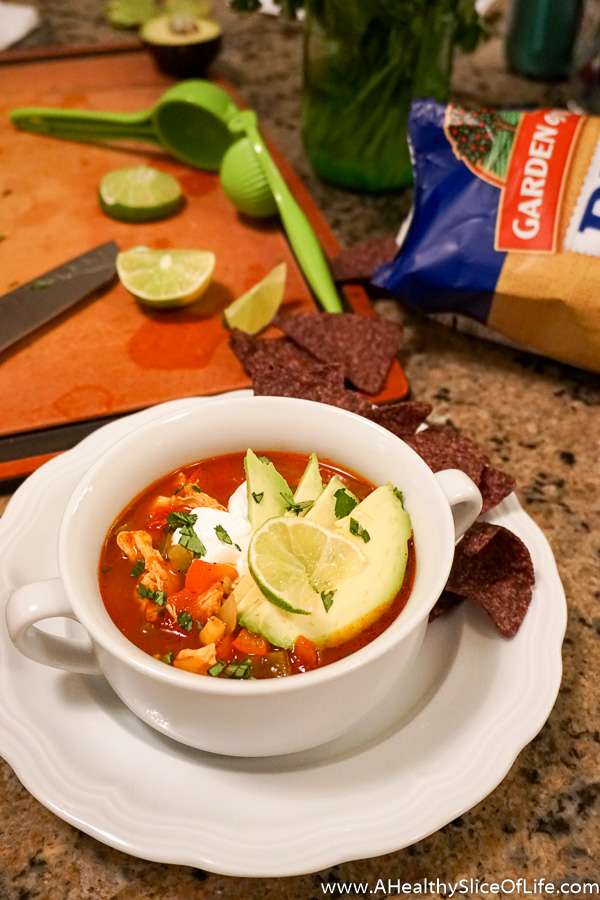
258	565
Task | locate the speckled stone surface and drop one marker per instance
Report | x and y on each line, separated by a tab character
538	419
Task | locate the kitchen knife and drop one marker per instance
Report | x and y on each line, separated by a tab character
40	300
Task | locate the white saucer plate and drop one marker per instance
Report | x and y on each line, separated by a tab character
433	750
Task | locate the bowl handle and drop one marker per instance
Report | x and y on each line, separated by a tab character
463	496
35	602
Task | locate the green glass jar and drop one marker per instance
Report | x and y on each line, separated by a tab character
364	63
541	36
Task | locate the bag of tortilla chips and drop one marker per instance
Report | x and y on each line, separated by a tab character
505	228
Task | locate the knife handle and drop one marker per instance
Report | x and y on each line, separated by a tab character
82	125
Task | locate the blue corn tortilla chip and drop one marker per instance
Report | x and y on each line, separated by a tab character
365	346
495	485
402	418
252	350
443	447
493	568
321	383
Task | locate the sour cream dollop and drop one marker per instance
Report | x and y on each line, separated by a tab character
214	526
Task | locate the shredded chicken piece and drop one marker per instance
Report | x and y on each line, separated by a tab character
171	610
138	544
190	496
198	661
209	603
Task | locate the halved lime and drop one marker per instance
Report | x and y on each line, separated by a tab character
129	13
139	194
165	278
254	310
293	561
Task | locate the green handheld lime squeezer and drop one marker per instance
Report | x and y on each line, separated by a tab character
198	123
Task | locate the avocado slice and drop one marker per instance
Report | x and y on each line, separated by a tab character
267	489
310	486
323	511
183	44
358	600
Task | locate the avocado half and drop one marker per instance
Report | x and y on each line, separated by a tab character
183	45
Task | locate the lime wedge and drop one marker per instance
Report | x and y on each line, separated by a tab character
139	194
165	278
254	310
293	561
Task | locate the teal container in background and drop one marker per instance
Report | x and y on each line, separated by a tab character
541	36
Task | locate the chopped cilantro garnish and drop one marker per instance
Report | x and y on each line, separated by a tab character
158	597
189	484
232	670
258	497
217	668
168	657
327	598
41	284
187	537
190	540
138	568
222	534
291	505
359	531
398	493
178	519
185	621
344	503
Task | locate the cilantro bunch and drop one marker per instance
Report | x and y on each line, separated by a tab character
364	63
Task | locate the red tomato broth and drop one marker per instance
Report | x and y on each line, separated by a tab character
218	477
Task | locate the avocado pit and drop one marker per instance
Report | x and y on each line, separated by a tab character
182	44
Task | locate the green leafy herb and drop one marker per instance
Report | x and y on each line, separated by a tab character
398	493
344	503
222	534
292	506
359	531
189	484
185	621
380	55
190	540
41	284
187	536
232	670
158	597
178	519
168	657
258	497
217	668
327	598
138	568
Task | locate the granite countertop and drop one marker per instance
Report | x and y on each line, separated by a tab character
536	418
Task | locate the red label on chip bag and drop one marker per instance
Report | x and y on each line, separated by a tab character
530	204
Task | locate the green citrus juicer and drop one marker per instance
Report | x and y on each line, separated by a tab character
254	184
183	114
198	123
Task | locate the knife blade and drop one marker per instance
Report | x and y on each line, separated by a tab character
43	298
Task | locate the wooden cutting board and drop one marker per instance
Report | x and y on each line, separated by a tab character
111	356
